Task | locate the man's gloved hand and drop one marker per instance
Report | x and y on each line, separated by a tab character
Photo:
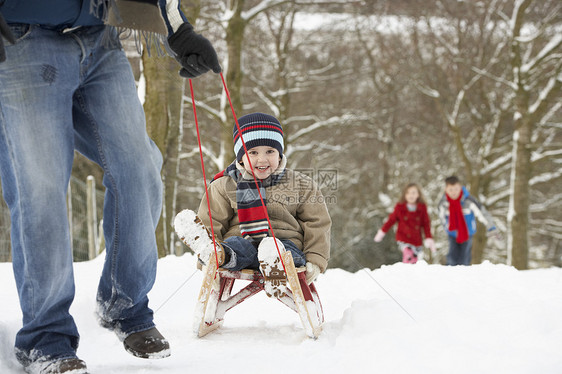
6	33
312	272
194	52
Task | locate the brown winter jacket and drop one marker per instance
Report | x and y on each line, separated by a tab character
296	209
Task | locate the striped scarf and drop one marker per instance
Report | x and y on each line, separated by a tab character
140	18
141	15
251	214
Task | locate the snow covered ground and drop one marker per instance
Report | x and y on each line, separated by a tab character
479	319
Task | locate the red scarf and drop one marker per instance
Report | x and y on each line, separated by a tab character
456	219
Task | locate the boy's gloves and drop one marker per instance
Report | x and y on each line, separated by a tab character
430	243
379	236
194	52
312	272
6	33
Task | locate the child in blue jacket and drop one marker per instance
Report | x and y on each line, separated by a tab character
458	211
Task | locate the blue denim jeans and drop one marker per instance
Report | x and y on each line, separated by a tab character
459	253
61	92
247	254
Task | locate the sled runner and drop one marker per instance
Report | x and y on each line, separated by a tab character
216	298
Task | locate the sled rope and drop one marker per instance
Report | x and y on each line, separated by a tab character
358	264
176	291
253	174
203	170
389	294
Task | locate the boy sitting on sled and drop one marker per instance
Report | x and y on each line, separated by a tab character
295	205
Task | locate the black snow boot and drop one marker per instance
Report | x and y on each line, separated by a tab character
147	344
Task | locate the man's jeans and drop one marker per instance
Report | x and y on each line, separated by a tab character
60	92
459	253
246	254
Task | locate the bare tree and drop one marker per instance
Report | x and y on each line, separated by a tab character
536	63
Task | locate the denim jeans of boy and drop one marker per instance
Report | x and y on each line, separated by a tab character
459	253
247	253
60	92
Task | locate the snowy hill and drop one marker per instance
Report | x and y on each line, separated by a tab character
479	319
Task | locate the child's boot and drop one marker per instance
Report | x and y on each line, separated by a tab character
275	279
196	236
408	256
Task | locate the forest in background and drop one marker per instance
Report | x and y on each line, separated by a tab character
374	95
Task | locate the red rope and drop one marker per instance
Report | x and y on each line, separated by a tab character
203	170
252	169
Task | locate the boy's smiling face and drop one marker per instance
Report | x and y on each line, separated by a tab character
265	160
453	190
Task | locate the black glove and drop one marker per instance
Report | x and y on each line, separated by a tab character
194	52
6	33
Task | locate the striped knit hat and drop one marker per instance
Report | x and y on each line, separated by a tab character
258	129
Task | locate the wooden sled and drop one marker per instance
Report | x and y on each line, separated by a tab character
216	298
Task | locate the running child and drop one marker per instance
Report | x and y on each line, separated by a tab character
411	214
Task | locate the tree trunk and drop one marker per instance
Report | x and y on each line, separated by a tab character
234	39
518	215
479	244
480	186
164	90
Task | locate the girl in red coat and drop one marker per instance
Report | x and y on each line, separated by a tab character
411	214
